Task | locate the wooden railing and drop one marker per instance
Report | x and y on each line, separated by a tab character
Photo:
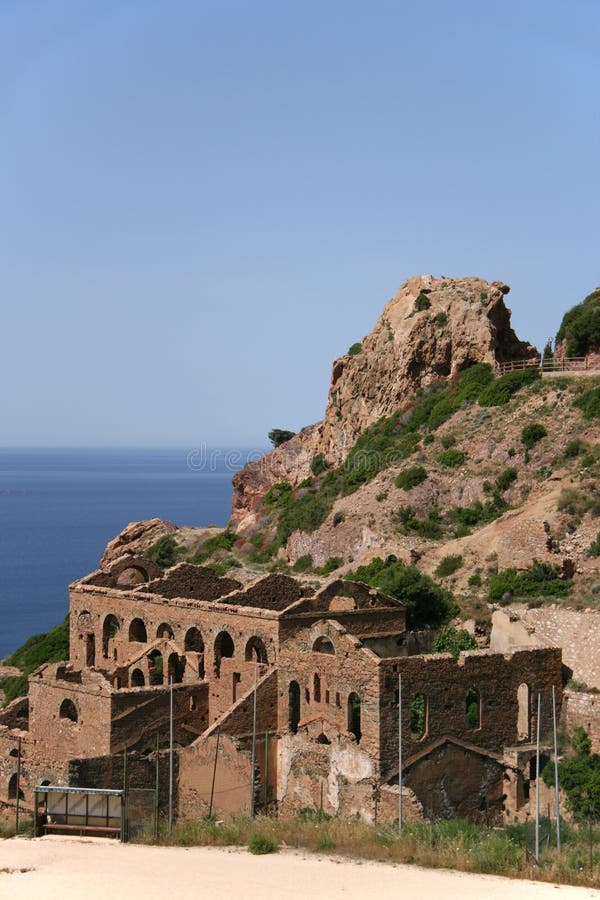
562	364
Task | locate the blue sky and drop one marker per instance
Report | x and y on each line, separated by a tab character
203	203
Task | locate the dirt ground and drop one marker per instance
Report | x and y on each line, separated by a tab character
55	868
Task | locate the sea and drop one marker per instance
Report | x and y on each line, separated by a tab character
59	508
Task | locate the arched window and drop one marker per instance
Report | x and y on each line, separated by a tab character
137	678
524	713
137	631
317	688
164	631
323	645
354	716
68	710
12	788
256	651
155	665
110	630
294	706
193	640
175	669
419	713
323	739
224	648
473	709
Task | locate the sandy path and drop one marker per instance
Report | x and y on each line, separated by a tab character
73	869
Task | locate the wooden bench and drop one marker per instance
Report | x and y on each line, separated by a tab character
84	829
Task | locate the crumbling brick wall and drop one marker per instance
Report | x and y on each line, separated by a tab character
445	682
582	709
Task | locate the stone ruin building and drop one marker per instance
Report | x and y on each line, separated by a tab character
320	665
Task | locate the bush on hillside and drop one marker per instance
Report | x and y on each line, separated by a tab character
499	391
451	458
448	566
540	580
581	326
589	404
411	477
531	434
428	605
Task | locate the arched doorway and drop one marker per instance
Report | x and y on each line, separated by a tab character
137	678
110	630
224	648
12	788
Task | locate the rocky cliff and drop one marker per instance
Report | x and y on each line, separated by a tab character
431	330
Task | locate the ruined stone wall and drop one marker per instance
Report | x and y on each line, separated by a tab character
225	752
90	607
452	782
327	681
583	709
61	737
139	714
354	621
444	683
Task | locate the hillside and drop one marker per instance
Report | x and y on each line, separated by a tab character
424	456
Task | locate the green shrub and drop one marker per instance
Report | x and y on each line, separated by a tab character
410	477
474	580
453	640
165	551
499	391
261	843
427	603
451	458
581	326
429	527
222	541
428	439
448	440
541	579
448	566
531	434
479	513
333	563
506	478
318	464
422	302
589	404
278	495
305	512
594	548
303	563
574	448
441	319
355	349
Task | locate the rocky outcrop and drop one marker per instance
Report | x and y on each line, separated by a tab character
431	330
134	539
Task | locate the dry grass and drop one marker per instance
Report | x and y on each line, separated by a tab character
450	844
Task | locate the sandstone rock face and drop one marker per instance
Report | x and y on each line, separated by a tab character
134	539
431	330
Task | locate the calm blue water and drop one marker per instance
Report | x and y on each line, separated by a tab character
59	508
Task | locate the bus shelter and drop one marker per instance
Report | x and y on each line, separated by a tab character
78	810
